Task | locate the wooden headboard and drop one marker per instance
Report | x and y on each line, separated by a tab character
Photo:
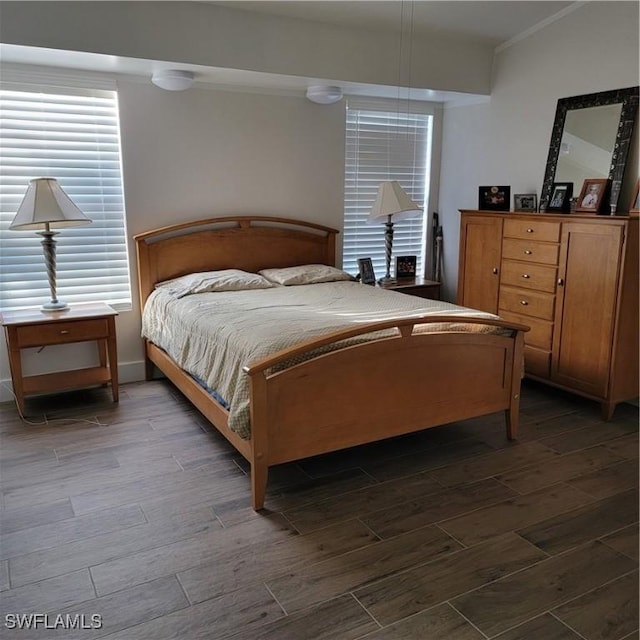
249	243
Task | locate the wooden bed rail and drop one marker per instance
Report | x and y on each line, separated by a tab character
405	328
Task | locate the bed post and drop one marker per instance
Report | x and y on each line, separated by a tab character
148	365
259	440
513	412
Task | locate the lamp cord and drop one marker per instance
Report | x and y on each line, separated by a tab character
47	421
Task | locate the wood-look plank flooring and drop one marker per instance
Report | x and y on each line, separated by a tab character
139	513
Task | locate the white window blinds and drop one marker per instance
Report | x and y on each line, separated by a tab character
72	135
384	143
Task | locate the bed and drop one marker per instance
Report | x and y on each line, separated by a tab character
338	387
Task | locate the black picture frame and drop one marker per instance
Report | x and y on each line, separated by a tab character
367	274
494	198
561	193
525	202
406	266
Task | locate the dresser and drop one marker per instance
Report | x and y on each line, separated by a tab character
573	279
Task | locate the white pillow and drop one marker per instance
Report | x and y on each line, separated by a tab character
225	280
305	274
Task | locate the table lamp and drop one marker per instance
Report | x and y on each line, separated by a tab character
45	206
392	204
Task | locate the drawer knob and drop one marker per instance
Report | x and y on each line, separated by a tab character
560	281
529	230
527	252
526	276
495	270
64	332
524	303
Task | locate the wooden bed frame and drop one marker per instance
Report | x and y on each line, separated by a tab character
350	396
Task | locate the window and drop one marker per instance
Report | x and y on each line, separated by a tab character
73	135
384	142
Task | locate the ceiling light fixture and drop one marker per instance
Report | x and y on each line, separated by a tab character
173	79
321	94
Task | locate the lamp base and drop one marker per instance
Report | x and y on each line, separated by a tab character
386	281
54	306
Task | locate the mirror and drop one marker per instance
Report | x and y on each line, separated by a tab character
590	139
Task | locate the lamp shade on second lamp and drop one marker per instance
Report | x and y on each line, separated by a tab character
393	200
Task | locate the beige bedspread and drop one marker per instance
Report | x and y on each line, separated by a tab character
213	335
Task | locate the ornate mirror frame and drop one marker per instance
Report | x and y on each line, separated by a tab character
629	99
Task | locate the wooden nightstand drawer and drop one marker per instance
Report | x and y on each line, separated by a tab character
61	332
415	287
529	251
528	303
532	230
530	276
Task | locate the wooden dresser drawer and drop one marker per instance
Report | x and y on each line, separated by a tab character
540	331
544	231
527	302
530	251
61	332
537	361
529	276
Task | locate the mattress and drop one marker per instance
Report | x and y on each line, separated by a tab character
213	336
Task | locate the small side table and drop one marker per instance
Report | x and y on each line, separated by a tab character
79	323
415	287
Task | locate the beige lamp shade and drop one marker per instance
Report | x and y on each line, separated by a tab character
392	200
46	205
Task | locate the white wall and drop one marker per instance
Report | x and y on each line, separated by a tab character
594	48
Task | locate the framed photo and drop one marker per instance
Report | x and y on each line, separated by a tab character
525	202
494	198
592	195
635	199
367	274
561	193
406	266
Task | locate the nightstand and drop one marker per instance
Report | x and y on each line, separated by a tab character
415	287
79	323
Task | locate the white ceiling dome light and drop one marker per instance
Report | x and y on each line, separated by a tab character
321	94
173	79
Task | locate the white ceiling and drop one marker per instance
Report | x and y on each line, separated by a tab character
496	22
493	21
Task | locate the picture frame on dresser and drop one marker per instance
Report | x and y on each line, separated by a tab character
494	198
561	193
592	195
525	202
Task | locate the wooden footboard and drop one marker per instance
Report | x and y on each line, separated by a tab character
380	389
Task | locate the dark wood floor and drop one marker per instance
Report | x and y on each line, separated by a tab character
141	515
